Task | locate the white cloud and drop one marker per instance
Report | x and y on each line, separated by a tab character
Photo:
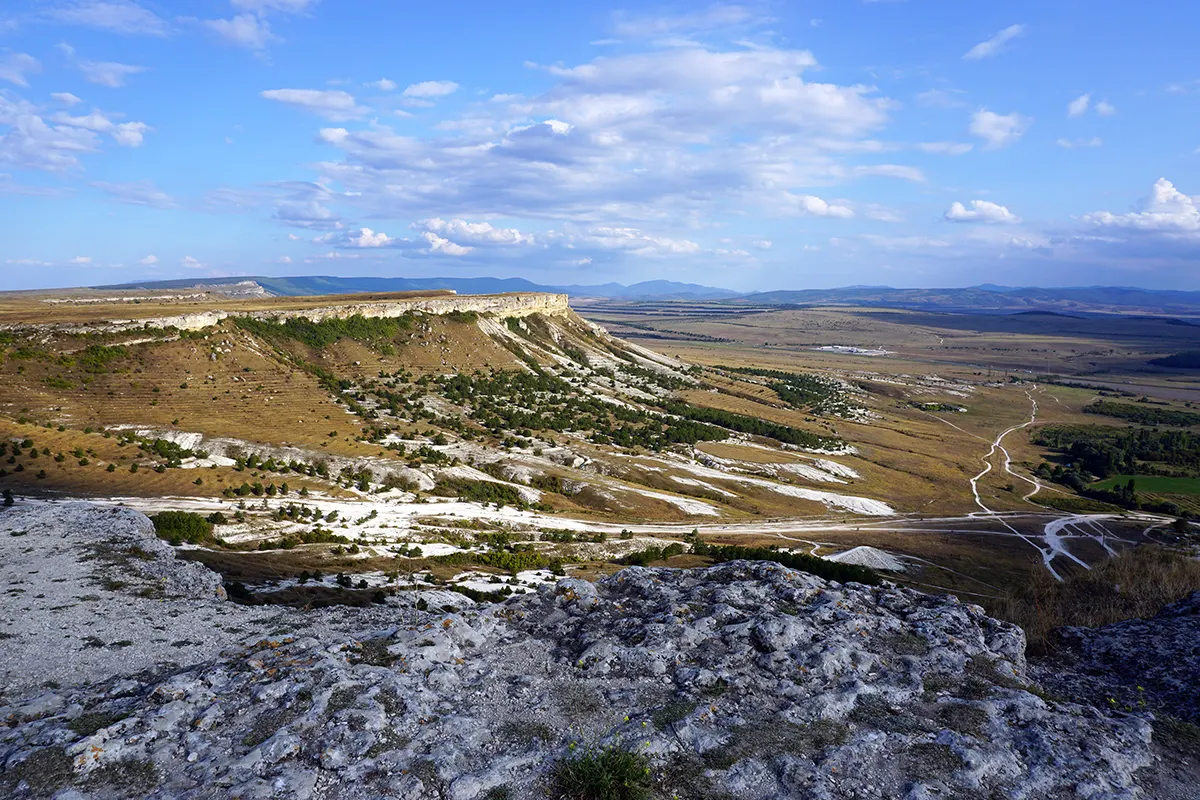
881	213
1079	106
762	244
1105	108
66	98
430	89
332	104
1071	144
946	148
118	16
149	261
108	73
443	246
636	242
190	263
126	134
383	85
243	30
475	233
80	261
816	207
892	171
29	143
284	260
130	134
307	214
28	262
942	98
1166	211
625	142
15	66
994	45
369	238
981	211
138	193
998	130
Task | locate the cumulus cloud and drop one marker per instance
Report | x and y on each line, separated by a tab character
426	89
816	207
243	30
441	246
108	73
333	104
138	193
762	244
15	66
126	134
998	130
383	85
1071	144
148	261
30	143
981	211
1079	106
190	263
622	140
117	16
66	98
636	242
361	238
80	261
994	45
475	233
1166	211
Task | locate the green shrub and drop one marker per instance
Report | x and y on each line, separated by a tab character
181	526
611	773
830	570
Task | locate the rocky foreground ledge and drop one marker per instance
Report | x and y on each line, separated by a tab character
744	680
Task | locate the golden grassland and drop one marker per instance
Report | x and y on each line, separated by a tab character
37	308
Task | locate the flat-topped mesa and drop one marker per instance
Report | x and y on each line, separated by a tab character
516	304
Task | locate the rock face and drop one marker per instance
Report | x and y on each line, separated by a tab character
744	680
517	304
1138	663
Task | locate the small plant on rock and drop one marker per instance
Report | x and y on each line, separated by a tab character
610	773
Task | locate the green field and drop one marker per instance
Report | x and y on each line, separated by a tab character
1154	484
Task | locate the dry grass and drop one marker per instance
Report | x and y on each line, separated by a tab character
1136	583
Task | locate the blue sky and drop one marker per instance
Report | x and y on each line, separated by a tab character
754	146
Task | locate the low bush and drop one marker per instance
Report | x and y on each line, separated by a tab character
178	527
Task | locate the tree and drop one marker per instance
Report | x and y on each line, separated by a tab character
8	498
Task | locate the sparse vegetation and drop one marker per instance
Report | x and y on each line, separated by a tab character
610	773
1135	583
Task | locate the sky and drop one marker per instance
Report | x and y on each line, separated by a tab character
774	145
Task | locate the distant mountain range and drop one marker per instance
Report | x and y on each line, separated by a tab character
987	298
325	284
990	298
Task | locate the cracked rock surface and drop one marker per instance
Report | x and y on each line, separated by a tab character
743	680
